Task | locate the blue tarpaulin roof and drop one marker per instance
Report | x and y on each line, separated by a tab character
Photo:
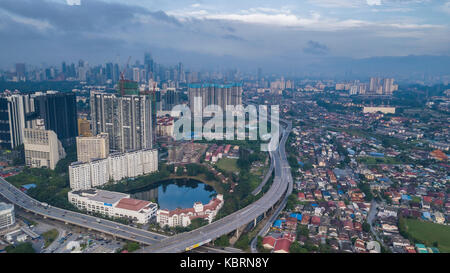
29	186
376	154
296	215
426	215
278	223
406	197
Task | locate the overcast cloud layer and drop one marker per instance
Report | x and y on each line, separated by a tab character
281	33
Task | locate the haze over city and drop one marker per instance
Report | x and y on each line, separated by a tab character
289	36
240	128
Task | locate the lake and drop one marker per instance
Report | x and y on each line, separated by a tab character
176	193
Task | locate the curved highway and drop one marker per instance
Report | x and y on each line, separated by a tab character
17	197
282	184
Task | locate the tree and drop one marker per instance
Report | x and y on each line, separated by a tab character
222	241
302	231
366	227
291	202
180	171
243	243
21	248
131	246
297	248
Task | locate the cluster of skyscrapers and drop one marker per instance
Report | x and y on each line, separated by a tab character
377	86
42	122
49	111
382	86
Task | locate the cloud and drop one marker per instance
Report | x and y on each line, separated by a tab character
91	16
45	30
285	18
315	48
233	37
73	2
374	2
446	7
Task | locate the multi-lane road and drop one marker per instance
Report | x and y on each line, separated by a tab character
282	185
17	197
274	215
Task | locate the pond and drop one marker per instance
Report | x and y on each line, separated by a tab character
176	193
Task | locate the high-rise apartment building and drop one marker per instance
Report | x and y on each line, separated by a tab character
216	94
126	119
382	86
14	109
90	148
20	71
42	148
136	74
115	167
388	86
59	112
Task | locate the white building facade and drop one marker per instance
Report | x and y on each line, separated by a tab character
113	204
184	217
7	218
42	148
113	168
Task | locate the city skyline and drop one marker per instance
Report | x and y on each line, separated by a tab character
224	126
285	35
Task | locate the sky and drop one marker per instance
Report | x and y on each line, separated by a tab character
202	33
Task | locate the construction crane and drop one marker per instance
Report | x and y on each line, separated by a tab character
122	78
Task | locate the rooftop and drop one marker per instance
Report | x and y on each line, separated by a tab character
132	204
108	197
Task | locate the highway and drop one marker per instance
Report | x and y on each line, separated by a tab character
17	197
268	224
282	184
266	178
159	243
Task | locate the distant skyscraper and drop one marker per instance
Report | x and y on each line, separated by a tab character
136	74
109	72
388	86
127	120
375	84
20	71
171	99
148	66
64	69
259	76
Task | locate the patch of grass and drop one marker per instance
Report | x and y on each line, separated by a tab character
228	165
377	160
20	248
49	237
429	233
131	247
